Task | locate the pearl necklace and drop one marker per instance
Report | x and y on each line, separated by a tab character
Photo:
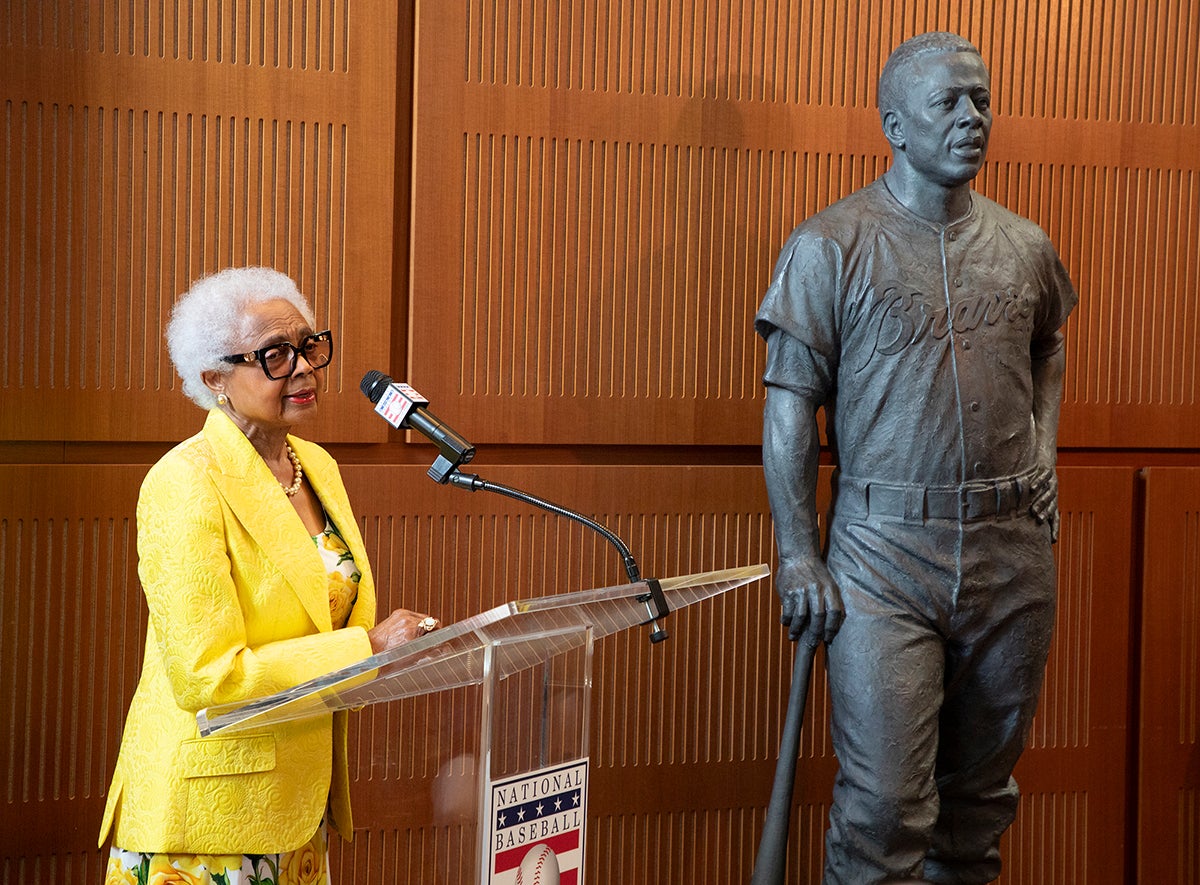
298	472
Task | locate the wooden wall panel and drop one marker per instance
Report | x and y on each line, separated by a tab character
628	173
146	144
72	625
1169	751
1071	825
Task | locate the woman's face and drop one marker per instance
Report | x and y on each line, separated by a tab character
256	403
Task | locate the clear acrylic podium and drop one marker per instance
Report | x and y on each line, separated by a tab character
513	687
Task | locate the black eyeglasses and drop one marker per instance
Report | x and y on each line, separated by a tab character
278	361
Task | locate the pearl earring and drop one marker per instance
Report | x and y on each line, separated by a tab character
222	399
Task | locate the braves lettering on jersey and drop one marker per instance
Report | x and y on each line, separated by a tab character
917	337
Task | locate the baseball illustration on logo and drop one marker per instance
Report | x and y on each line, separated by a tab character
538	867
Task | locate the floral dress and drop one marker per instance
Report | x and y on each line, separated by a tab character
308	864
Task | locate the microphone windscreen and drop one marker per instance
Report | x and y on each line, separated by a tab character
373	384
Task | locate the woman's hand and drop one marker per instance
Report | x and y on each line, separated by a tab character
399	627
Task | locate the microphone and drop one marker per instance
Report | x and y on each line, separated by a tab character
404	408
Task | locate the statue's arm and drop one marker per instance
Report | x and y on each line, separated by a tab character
1047	403
811	601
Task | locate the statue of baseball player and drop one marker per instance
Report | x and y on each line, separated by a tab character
926	320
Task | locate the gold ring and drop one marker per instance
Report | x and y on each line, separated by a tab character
427	625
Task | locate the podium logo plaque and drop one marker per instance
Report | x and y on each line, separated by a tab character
536	826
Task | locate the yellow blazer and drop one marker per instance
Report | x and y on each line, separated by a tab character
239	608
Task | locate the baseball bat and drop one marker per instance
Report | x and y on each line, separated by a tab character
771	862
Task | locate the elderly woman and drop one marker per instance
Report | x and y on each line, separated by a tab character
256	579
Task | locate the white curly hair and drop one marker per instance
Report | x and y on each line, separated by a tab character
209	322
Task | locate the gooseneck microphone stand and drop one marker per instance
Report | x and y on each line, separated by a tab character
473	483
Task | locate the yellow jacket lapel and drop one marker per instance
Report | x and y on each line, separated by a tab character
254	497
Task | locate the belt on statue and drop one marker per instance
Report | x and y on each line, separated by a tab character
916	503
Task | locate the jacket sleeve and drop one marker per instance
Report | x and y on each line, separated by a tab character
228	625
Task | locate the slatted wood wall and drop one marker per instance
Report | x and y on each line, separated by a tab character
556	219
629	172
1169	714
146	144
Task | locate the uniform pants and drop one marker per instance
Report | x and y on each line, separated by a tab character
934	678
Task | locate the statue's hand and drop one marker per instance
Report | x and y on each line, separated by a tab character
1044	505
812	603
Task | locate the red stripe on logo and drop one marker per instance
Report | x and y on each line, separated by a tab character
511	859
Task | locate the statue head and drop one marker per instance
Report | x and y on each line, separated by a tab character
935	105
895	78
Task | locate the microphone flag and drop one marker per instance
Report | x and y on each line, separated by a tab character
397	403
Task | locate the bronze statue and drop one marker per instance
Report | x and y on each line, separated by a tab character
926	320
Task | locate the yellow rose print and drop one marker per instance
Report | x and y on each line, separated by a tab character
218	864
305	865
335	543
343	591
163	872
337	579
116	874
